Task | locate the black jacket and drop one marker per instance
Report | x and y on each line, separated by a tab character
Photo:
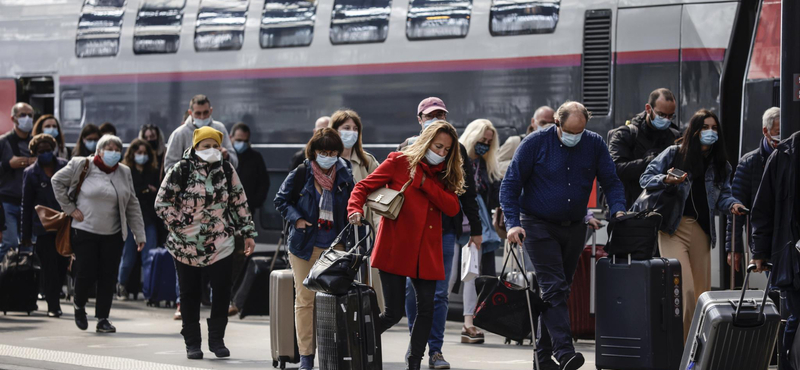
632	147
744	187
254	176
37	190
146	197
774	218
297	159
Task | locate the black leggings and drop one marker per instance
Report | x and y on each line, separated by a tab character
54	269
394	295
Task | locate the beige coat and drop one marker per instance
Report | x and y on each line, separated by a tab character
506	152
360	172
66	180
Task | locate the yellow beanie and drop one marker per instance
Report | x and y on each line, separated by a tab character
206	132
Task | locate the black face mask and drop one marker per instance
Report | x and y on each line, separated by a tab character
153	144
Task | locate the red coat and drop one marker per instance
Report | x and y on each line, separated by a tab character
411	245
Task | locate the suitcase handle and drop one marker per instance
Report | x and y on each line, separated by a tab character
744	290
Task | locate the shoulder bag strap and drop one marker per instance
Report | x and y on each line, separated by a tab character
410	180
84	171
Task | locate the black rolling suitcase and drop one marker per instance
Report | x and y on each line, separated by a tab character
732	330
639	314
19	281
346	335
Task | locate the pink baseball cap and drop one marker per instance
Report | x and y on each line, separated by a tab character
430	104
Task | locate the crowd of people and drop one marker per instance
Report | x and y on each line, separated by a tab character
196	194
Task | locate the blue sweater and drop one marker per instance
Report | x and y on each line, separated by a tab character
551	181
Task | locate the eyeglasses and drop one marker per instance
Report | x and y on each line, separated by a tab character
331	153
440	114
26	115
667	116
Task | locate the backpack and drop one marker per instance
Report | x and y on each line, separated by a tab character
299	182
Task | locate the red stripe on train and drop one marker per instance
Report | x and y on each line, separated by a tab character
671	56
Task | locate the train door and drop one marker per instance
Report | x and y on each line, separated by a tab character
38	91
647	56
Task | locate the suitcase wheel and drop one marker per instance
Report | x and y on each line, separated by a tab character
283	364
274	363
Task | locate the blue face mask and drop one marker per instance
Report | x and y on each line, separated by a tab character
111	158
708	137
433	158
349	138
481	148
428	123
660	123
91	145
52	131
326	162
45	158
141	159
570	140
240	146
202	122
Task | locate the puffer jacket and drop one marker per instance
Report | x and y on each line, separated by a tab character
774	215
718	194
746	181
301	241
202	224
632	153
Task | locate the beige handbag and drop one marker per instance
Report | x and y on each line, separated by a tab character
387	202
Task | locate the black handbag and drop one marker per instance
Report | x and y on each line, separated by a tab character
335	271
634	234
662	201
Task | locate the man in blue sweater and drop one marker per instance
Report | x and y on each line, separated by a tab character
544	196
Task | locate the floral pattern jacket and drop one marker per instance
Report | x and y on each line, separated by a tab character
203	219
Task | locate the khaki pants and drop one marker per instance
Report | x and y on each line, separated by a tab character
691	246
304	301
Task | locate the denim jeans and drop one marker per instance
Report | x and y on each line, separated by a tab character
554	250
440	300
11	234
129	253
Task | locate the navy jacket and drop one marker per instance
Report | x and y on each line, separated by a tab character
37	190
774	222
301	241
745	185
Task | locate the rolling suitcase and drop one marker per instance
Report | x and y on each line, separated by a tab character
282	337
252	293
159	278
732	330
19	281
581	297
639	314
346	335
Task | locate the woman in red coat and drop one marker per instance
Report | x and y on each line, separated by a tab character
411	245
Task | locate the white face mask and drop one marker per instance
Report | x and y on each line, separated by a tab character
202	122
25	124
349	138
209	155
433	158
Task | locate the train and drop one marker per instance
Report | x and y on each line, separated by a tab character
277	65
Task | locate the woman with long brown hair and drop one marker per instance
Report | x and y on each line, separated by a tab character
142	160
411	245
48	124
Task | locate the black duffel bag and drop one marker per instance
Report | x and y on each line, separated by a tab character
634	234
335	271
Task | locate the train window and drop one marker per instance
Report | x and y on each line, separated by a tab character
99	28
360	21
220	25
72	109
158	27
523	17
286	23
438	19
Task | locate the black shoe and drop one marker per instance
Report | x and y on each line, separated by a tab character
55	314
548	364
571	362
80	318
194	352
216	333
104	326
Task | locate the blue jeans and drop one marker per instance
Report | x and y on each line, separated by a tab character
440	302
129	254
554	250
11	234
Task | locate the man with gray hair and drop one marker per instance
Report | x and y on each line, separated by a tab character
747	179
14	158
544	202
542	119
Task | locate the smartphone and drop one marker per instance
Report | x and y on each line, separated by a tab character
676	173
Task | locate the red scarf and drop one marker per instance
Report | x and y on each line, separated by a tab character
102	165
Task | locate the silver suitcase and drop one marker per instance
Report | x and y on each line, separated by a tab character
732	330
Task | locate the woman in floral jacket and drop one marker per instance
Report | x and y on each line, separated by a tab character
201	227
